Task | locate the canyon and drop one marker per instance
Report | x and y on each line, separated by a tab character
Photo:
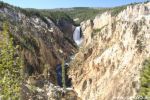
104	55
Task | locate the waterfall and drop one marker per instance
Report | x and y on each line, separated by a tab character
77	36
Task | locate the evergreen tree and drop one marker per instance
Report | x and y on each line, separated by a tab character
145	80
63	74
10	67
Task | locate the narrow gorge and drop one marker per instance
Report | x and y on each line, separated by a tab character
103	57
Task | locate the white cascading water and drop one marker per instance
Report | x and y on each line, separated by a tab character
77	37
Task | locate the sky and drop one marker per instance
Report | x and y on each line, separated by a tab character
50	4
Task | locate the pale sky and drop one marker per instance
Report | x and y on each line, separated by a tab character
48	4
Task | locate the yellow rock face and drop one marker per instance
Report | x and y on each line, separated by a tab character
108	64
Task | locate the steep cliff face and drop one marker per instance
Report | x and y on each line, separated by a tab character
108	64
43	42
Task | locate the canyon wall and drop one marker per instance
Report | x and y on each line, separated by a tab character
108	64
43	43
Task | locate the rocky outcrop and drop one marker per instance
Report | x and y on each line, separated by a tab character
48	92
102	20
108	64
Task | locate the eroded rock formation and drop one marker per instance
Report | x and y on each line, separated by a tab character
109	61
42	41
43	45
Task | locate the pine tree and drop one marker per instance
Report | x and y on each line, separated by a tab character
10	67
63	74
145	80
